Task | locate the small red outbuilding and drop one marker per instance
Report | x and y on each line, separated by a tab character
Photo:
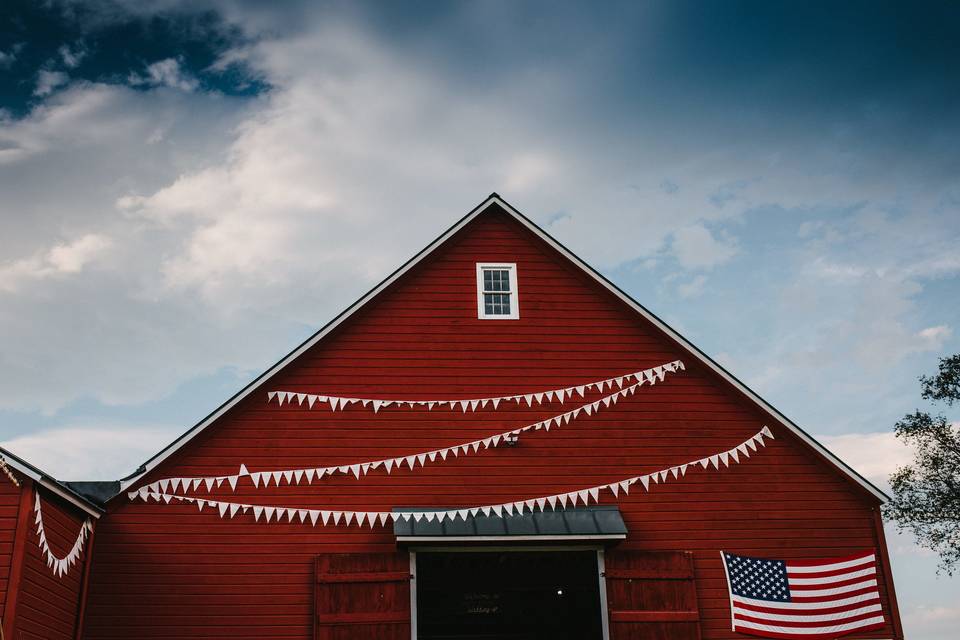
46	529
494	442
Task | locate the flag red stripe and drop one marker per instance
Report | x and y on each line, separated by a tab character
795	612
804	625
797	636
871	564
797	588
826	561
847	594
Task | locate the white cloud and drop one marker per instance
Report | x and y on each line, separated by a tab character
692	288
89	453
166	73
695	247
933	338
49	81
78	278
7	59
528	171
63	258
72	257
72	56
873	455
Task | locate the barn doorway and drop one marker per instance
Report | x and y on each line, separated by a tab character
508	595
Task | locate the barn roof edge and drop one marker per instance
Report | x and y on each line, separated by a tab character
51	484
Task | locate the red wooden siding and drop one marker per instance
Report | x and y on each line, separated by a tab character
9	507
169	571
47	605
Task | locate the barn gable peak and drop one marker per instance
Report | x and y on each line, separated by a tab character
494	202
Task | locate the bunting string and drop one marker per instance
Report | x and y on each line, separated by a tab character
60	566
471	404
6	470
717	461
360	469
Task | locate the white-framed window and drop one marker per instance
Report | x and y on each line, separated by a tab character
497	296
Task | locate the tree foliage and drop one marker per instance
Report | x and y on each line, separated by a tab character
926	493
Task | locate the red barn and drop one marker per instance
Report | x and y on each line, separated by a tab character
46	529
495	442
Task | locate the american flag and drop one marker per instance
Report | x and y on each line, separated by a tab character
803	598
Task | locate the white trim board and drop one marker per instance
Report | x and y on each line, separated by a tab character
495	199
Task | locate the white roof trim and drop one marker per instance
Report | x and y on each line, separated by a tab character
494	199
48	483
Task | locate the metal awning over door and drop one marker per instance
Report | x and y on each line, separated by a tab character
593	524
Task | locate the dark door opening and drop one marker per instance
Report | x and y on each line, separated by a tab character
512	595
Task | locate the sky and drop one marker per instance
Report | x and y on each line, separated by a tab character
189	189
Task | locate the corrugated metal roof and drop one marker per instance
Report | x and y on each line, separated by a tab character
602	522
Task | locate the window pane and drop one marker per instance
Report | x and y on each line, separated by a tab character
496	304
